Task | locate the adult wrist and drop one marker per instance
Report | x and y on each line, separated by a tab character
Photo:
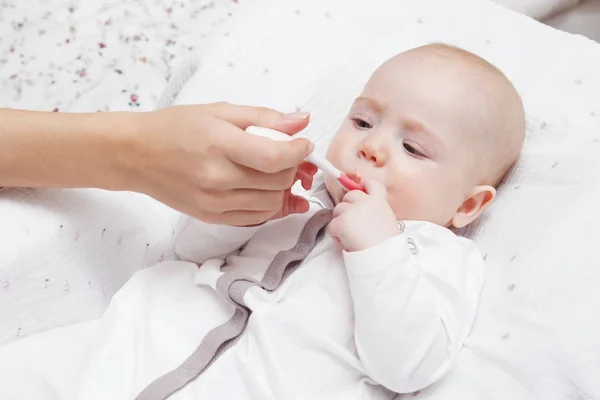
111	146
42	149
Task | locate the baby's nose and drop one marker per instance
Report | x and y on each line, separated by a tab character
373	152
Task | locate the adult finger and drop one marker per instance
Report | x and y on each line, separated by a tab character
298	205
264	154
305	174
285	206
243	200
292	204
242	218
308	168
241	177
245	116
305	180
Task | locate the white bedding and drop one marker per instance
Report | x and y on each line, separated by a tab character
63	253
89	55
539	9
537	334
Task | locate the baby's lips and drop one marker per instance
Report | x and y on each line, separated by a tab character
351	182
354	177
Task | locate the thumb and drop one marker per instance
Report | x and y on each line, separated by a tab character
245	116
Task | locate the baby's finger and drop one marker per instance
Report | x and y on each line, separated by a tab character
354	196
340	209
336	230
376	188
333	229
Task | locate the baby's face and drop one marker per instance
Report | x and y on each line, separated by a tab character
412	129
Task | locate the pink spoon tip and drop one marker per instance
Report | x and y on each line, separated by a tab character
349	184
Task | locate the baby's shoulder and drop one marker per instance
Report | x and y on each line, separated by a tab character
435	238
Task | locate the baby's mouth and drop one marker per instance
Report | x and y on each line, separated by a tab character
354	177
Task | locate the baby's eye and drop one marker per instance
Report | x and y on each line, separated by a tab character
361	123
412	150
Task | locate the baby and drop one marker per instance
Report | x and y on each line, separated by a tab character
381	305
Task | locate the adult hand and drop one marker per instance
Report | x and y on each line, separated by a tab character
199	160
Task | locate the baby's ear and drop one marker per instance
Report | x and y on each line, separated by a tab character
481	197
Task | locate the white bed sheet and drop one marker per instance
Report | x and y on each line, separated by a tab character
63	253
537	334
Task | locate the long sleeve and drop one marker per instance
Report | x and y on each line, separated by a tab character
199	241
415	298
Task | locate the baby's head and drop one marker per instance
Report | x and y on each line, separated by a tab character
440	127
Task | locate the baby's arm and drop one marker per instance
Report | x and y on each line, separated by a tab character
415	297
199	241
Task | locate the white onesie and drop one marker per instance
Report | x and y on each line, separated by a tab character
359	325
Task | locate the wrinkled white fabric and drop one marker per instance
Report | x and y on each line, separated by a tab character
344	325
65	252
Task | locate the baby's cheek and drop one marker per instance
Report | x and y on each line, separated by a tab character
335	152
407	203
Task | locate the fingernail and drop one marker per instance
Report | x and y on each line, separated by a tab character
310	148
296	116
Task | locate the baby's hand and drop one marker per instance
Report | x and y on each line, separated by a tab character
363	220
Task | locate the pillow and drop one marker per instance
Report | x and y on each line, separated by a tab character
537	335
583	20
539	9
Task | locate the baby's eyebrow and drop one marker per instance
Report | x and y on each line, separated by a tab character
414	125
377	106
